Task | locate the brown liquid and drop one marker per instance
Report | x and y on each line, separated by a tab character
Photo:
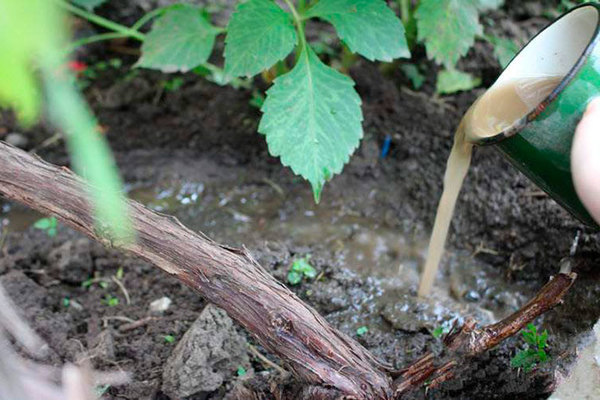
493	112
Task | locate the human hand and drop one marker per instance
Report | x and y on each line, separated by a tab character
585	159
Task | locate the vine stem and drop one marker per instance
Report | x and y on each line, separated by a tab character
405	11
108	24
147	17
95	38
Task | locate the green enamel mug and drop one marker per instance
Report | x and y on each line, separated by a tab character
539	143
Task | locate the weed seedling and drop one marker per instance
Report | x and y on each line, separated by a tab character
241	371
110	300
534	353
66	302
301	268
169	339
362	331
100	390
48	225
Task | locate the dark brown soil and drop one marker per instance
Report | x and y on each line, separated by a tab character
202	140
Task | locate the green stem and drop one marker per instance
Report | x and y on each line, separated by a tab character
106	23
148	16
405	11
95	38
299	26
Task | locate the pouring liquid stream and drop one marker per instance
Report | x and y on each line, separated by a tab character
496	110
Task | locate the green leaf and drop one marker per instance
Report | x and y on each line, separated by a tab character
303	266
542	340
368	27
45	223
88	4
241	371
259	34
28	29
504	49
181	39
448	28
438	332
452	80
312	120
412	72
169	338
362	331
485	5
294	277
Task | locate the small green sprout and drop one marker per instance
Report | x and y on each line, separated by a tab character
173	85
47	224
119	275
362	331
534	353
241	371
301	268
169	339
103	284
100	390
66	302
110	300
440	330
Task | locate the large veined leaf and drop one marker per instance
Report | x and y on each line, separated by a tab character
259	34
88	4
312	120
448	28
181	39
368	27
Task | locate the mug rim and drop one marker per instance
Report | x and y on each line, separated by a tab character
521	123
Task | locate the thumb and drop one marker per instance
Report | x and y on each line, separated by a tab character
585	159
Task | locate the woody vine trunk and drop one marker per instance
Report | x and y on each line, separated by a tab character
230	278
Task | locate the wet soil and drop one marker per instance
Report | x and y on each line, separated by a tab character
195	153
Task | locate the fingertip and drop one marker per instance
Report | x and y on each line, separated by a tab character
593	106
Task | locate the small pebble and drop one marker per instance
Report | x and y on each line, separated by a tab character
16	139
160	305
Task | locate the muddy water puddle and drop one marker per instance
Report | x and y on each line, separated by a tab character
252	212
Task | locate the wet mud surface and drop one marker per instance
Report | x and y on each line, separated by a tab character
195	153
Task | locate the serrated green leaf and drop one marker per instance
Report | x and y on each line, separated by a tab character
452	80
88	4
368	27
181	39
448	28
485	5
259	34
504	49
312	120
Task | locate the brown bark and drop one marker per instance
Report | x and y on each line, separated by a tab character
468	340
311	348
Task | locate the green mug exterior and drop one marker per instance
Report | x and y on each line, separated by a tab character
540	144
